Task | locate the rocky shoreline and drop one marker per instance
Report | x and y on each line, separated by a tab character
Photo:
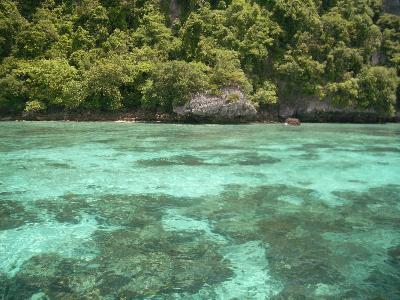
133	116
145	116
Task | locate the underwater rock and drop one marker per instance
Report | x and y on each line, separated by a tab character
127	210
230	106
252	159
39	273
108	209
292	122
67	209
14	215
377	203
147	261
50	276
179	160
387	280
394	253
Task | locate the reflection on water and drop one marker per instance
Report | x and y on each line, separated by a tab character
143	211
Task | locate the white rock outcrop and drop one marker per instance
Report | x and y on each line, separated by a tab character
230	106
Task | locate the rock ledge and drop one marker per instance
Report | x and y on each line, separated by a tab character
292	122
230	106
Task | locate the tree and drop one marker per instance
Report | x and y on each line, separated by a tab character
377	89
13	91
345	93
390	25
266	94
342	60
296	15
172	83
129	54
45	81
300	72
92	16
35	39
154	33
11	23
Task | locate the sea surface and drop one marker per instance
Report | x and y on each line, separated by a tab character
158	211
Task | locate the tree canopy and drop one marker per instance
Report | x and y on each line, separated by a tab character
126	54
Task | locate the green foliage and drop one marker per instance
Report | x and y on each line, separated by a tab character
10	24
172	83
226	71
373	88
92	16
13	91
45	80
391	39
266	94
115	55
300	72
344	93
296	15
335	29
342	60
35	38
153	32
34	106
378	89
233	97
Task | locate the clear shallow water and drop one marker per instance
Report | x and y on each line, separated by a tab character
146	211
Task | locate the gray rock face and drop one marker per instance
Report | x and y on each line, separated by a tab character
174	10
311	109
230	106
391	6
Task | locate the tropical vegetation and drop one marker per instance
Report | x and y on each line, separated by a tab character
112	55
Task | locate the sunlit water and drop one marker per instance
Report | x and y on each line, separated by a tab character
147	211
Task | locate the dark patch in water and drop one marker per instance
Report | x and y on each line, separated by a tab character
378	205
158	264
394	254
14	215
67	209
254	159
46	272
11	193
313	146
383	149
357	181
59	165
112	209
307	156
106	141
179	160
242	159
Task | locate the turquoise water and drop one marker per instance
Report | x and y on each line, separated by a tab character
156	211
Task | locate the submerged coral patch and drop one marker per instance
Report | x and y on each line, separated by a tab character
13	215
179	160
